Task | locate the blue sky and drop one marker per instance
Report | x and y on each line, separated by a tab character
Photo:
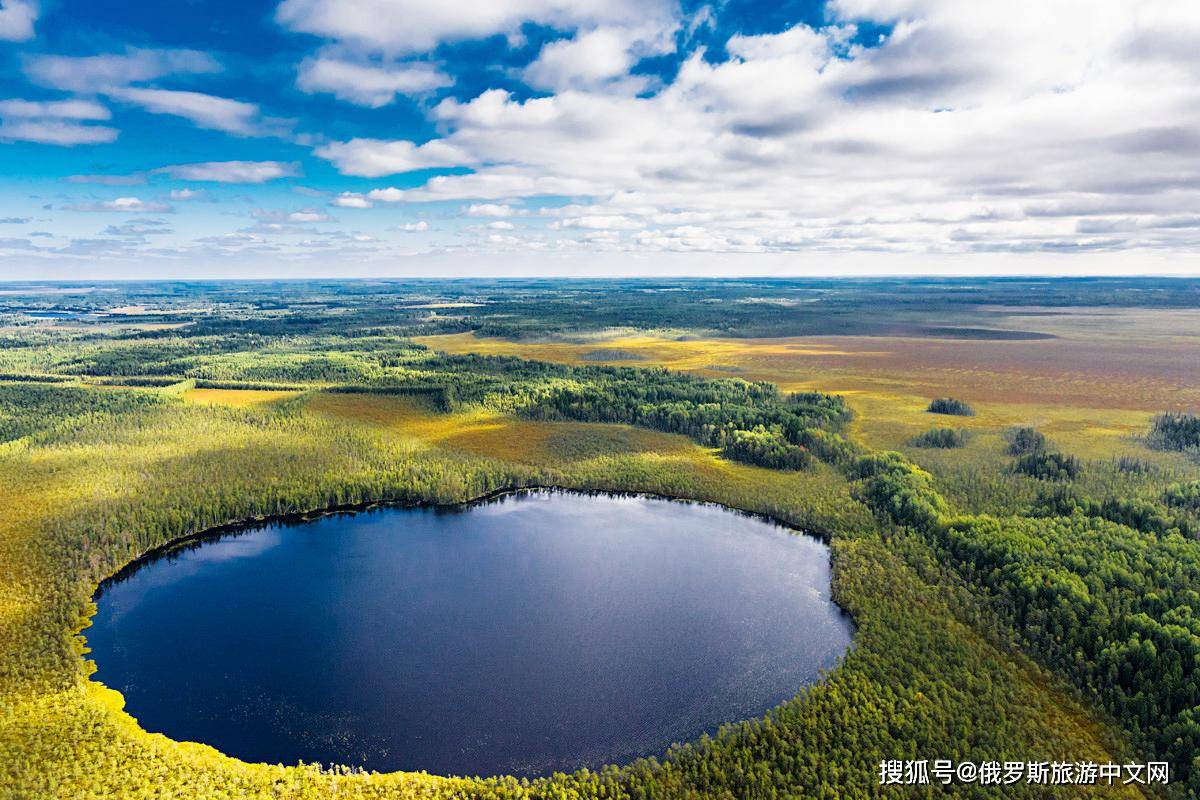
378	137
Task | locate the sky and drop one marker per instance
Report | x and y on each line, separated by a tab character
258	138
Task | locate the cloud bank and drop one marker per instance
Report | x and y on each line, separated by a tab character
909	129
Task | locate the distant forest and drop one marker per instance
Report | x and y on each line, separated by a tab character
952	307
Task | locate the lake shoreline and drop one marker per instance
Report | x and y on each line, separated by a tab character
637	523
298	517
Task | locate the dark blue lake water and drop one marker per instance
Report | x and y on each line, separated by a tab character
537	632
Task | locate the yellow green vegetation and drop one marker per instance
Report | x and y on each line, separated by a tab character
1085	410
999	615
605	456
235	398
920	680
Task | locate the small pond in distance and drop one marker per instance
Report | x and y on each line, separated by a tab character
540	631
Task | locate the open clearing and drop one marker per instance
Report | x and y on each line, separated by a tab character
236	398
1093	395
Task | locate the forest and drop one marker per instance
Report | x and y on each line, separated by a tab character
532	308
1176	431
1014	595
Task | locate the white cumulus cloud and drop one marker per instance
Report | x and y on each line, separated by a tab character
205	110
351	200
129	205
399	26
489	210
57	122
372	158
389	195
966	128
121	77
302	216
53	131
598	57
54	109
232	171
16	20
102	73
368	84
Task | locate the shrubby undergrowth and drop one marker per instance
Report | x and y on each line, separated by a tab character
1175	432
949	405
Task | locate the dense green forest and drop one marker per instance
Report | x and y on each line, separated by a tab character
951	406
1025	441
752	422
1103	592
1047	466
1176	432
942	437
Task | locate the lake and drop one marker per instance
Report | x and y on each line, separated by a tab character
535	632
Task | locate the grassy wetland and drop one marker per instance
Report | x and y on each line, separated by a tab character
1016	595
